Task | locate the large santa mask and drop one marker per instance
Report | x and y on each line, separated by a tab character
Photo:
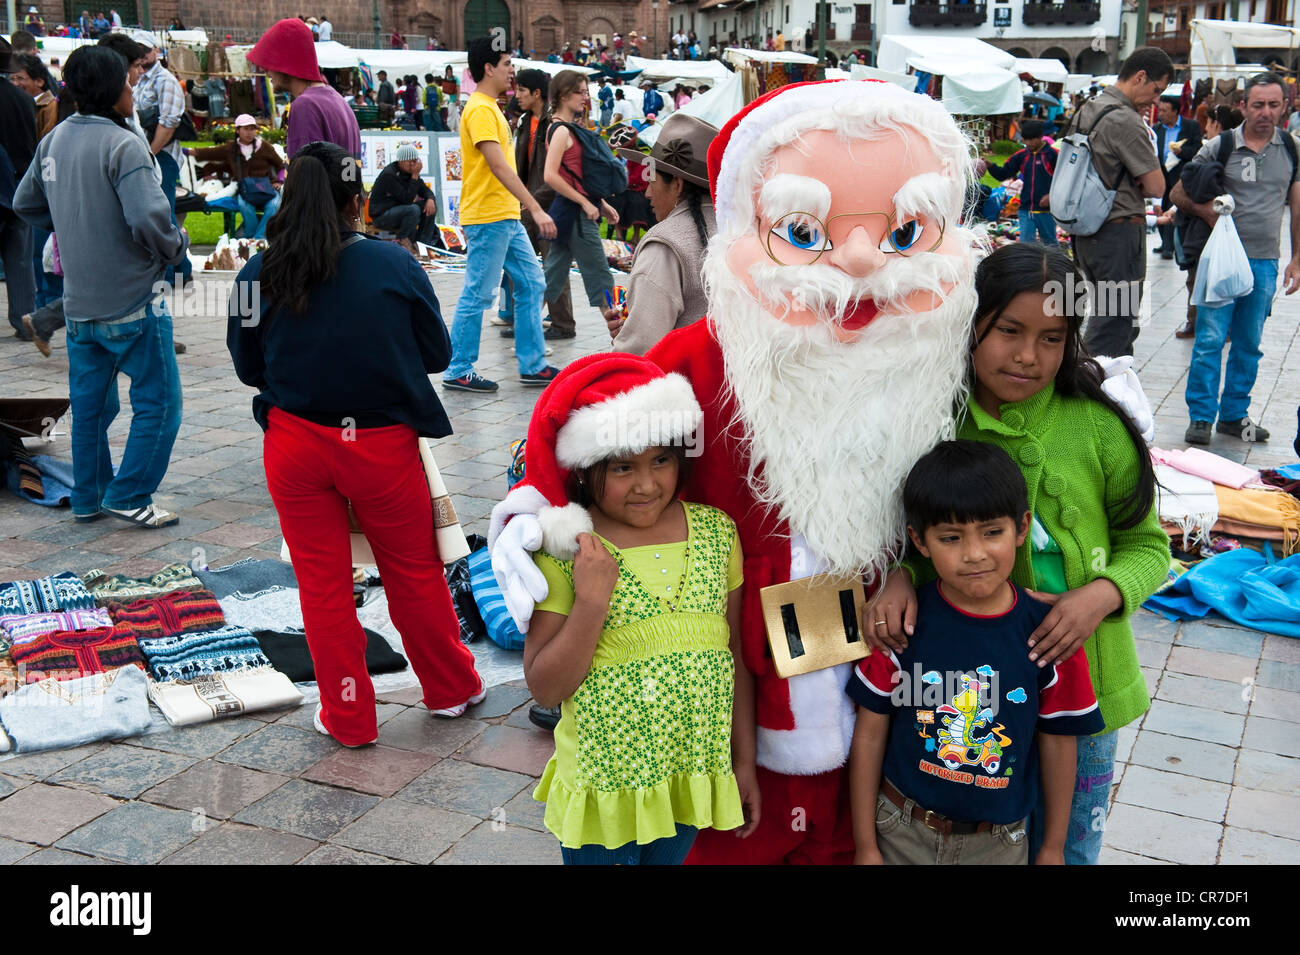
841	290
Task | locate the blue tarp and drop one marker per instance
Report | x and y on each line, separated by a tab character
1242	585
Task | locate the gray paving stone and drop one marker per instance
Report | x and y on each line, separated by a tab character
46	764
526	811
124	771
1211	663
280	749
1173	792
1163	835
499	844
1190	757
1109	856
1124	740
198	741
1244	847
1193	722
1152	654
465	787
63	857
417	729
217	789
1205	692
134	832
1269	771
1265	701
230	844
7	786
43	814
1280	676
11	850
341	855
1285	649
1277	814
307	809
403	830
1272	736
1235	640
500	701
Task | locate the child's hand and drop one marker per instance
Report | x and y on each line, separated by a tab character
890	619
595	572
1074	617
1050	856
750	800
868	856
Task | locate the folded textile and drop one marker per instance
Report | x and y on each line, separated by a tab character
181	611
9	680
1244	531
1243	586
1208	465
249	576
118	588
55	481
62	591
289	654
1187	501
222	695
189	655
70	654
24	628
54	714
257	594
1266	508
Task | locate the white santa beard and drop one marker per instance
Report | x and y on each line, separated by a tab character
833	428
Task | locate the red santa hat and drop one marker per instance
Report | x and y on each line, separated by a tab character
598	407
739	151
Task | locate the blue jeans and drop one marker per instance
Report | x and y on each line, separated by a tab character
1243	318
1041	223
142	350
492	247
170	174
248	212
1095	761
671	850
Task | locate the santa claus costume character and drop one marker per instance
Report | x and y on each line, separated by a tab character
1096	550
638	637
832	358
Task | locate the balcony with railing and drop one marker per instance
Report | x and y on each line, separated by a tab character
860	33
932	14
1054	14
1176	44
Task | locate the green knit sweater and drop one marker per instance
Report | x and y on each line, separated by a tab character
1080	466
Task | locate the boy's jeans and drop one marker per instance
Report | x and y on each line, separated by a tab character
97	351
1244	319
1038	226
1092	782
253	229
492	246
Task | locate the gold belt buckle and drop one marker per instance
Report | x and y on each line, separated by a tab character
926	820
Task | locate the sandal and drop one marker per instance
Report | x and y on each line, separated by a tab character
147	516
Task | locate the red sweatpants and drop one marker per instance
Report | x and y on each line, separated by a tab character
312	473
805	821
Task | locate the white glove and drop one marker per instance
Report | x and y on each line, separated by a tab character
522	584
1125	389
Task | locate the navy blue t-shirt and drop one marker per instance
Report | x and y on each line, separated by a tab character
966	701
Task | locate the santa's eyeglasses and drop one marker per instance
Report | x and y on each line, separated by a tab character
800	238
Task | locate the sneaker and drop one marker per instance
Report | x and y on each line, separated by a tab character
508	331
1245	429
554	334
544	717
498	320
1198	432
320	728
471	382
543	377
148	516
451	712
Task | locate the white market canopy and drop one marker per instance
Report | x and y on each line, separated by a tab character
1045	71
737	55
715	107
897	53
194	38
550	68
711	70
1077	82
860	72
1214	43
982	91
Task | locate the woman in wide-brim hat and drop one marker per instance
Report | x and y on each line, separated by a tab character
665	290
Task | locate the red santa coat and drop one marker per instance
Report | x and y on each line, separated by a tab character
803	729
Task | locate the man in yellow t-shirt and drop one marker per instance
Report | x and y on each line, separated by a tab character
490	197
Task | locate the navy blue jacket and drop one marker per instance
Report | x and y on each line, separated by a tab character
364	349
1034	170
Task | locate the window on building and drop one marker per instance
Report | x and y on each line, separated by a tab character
862	13
787	14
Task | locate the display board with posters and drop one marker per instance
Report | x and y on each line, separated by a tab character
379	148
450	172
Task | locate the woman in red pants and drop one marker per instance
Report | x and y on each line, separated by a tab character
339	333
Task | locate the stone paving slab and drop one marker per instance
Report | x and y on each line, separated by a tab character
307	809
406	831
44	814
465	787
123	771
134	832
232	844
378	770
217	789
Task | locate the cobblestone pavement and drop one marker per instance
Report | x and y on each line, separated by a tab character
1209	775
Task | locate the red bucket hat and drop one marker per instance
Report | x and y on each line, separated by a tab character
288	47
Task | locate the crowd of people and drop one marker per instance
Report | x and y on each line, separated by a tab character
757	304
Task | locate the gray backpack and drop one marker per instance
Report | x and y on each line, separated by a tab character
1080	199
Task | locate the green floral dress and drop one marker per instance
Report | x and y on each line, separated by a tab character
645	742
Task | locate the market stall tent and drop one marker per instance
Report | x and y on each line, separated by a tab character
711	70
897	52
715	107
1044	71
1215	42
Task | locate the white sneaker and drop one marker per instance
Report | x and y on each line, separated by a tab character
451	712
147	516
497	320
549	350
320	728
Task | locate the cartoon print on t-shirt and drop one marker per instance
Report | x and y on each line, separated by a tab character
958	743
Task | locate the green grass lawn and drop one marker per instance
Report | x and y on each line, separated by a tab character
1002	149
204	228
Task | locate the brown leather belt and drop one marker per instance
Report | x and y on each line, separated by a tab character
1129	219
941	824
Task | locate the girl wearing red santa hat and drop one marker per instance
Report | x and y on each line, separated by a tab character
638	638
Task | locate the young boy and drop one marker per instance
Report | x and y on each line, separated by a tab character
955	733
1033	166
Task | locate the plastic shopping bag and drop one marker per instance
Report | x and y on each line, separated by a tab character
1224	271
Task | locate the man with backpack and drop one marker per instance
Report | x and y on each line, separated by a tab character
1113	257
1261	174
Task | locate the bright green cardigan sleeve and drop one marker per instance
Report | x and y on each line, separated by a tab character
1138	561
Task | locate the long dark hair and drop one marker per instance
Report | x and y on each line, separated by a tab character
1029	267
694	197
96	76
305	234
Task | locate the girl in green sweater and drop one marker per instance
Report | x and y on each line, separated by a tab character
1096	549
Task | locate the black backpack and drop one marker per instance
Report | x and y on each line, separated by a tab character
602	175
1228	142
